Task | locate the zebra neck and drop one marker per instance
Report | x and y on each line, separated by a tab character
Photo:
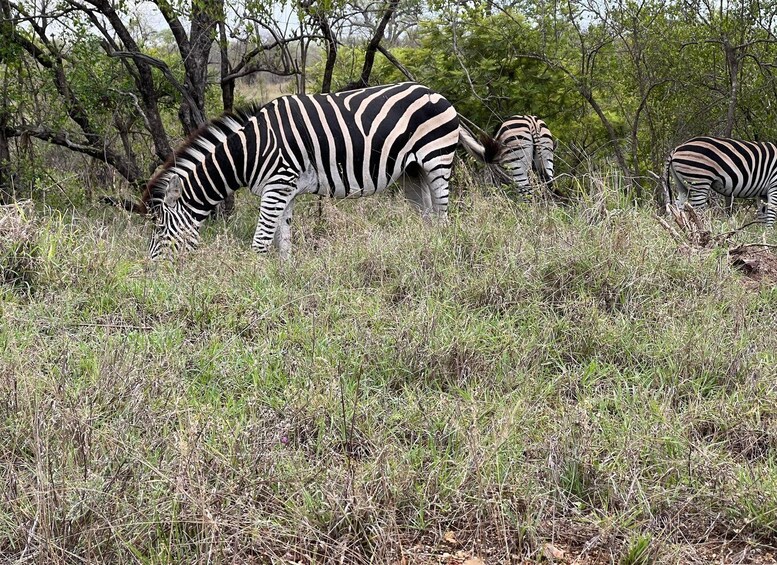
211	177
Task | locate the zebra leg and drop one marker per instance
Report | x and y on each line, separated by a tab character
276	199
699	195
439	190
520	177
282	238
770	213
760	213
417	192
680	187
728	202
516	161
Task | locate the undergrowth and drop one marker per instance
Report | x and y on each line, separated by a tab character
527	373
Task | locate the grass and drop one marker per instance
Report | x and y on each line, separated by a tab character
523	375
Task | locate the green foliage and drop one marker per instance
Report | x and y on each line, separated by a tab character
487	76
639	552
101	85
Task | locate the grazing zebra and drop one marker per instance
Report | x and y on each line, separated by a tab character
526	145
733	168
352	143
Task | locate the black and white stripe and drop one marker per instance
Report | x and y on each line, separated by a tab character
731	167
347	144
526	145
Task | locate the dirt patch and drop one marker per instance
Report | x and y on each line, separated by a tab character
757	261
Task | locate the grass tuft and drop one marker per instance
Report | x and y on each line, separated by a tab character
19	250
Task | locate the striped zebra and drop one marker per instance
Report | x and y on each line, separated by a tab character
526	145
352	143
731	167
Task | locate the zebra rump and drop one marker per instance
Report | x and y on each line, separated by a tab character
346	144
731	167
526	145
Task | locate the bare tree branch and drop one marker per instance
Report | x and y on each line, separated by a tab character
101	152
394	61
162	66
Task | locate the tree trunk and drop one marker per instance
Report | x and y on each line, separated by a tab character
732	62
302	76
227	207
6	192
227	86
205	19
144	80
372	47
611	133
331	54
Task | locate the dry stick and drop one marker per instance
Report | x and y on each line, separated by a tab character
472	125
111	326
724	236
689	218
346	439
767	245
694	217
673	232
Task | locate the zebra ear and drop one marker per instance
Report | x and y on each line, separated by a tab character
174	190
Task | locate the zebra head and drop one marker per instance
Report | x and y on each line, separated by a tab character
175	226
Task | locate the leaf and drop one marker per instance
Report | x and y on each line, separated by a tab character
553	552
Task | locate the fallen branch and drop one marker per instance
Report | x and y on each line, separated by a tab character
673	232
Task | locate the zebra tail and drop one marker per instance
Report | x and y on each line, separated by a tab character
126	204
485	150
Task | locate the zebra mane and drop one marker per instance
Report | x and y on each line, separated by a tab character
212	133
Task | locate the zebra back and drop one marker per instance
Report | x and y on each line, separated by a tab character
527	145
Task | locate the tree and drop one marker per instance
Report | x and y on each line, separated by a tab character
85	36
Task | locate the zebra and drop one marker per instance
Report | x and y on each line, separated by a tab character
346	144
526	144
731	167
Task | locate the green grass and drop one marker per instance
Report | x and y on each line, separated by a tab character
524	374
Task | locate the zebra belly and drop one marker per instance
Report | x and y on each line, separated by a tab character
726	188
344	189
741	190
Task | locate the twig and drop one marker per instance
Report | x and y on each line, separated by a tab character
673	232
742	245
727	235
394	61
112	326
30	535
